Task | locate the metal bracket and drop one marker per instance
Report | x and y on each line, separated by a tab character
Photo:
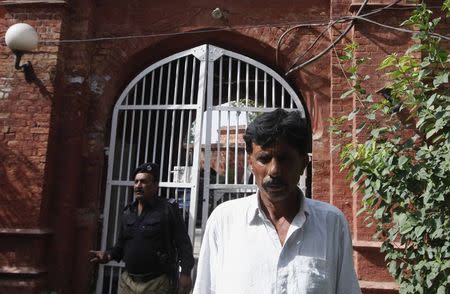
200	52
215	52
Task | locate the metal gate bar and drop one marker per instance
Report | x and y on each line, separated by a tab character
164	95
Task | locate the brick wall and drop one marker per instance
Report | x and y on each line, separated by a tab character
26	110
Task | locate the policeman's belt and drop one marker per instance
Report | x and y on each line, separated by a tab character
142	278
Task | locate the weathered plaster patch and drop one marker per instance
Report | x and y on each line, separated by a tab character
75	79
97	83
5	87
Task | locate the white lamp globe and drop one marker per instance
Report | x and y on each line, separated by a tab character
21	37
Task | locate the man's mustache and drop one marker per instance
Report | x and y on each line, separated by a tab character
270	182
138	190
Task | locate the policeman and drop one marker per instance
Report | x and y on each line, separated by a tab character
152	241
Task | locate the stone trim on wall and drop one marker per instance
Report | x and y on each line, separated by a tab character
370	285
31	2
357	3
21	271
25	232
360	245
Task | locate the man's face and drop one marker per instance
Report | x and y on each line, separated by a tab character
277	170
145	187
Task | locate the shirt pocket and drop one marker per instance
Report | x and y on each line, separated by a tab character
129	228
150	228
312	275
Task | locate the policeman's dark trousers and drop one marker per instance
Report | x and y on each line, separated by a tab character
159	285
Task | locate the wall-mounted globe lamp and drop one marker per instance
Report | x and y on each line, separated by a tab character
22	38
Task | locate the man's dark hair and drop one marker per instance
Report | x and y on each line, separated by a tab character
149	168
270	127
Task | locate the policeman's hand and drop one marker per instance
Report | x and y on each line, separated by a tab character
99	256
185	284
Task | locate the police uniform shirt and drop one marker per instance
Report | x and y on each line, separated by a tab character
142	242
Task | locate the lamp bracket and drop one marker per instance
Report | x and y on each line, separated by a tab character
27	68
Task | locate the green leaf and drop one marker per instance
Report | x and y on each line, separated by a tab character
388	61
430	100
363	209
377	185
345	57
441	79
419	231
413	48
375	133
370	116
402	160
379	212
347	93
360	127
441	290
393	267
352	114
431	132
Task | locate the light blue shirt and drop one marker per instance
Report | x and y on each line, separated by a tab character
242	253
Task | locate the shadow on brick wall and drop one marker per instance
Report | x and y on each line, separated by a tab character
20	189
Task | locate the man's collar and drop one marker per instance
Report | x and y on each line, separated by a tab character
255	211
304	204
303	213
147	203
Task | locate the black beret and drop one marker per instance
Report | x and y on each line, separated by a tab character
149	167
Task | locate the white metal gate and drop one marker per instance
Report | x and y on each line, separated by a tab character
188	113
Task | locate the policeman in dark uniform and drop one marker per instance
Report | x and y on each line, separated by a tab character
153	241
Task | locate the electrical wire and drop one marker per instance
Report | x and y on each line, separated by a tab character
352	18
330	24
290	30
389	6
130	37
401	29
325	51
225	28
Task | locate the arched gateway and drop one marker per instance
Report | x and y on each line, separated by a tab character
188	112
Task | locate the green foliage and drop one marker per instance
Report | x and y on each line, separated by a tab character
402	168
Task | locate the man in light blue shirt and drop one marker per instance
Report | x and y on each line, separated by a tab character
276	241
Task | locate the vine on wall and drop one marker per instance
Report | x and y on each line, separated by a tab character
401	167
